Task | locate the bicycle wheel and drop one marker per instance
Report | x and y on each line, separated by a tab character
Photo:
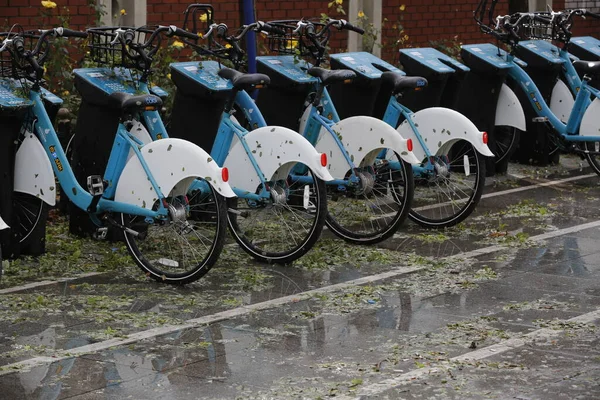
183	248
372	210
286	227
448	188
506	139
592	159
30	213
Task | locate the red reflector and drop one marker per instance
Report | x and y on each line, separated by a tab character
225	174
485	137
323	159
409	144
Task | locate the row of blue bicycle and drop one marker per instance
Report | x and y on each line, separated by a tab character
275	186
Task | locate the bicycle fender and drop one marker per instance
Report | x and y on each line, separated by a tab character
33	171
509	111
590	123
276	150
170	161
363	138
440	128
3	225
561	102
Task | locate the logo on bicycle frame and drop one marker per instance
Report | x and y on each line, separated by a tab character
56	159
535	101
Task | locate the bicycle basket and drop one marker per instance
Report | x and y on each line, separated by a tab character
105	50
12	66
539	31
294	43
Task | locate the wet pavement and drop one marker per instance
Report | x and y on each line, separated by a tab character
506	305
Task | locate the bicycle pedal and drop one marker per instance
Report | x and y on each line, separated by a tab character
101	233
539	119
95	185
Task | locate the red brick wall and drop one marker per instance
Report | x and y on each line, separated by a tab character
423	20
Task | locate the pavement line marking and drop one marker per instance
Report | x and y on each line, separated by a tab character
477	355
34	285
511	191
537	185
244	310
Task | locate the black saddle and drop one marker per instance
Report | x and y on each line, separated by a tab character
587	67
328	76
129	102
397	82
243	81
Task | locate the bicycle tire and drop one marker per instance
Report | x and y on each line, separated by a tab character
275	232
387	204
30	212
507	139
440	201
205	218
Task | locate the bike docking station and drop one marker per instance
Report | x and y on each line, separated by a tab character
586	48
201	96
282	102
361	97
444	75
18	184
94	134
543	65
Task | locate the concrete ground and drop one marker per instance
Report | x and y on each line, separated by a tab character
505	306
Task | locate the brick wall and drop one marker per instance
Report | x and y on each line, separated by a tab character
423	20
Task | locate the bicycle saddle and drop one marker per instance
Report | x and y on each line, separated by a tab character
398	82
328	76
587	67
242	81
126	101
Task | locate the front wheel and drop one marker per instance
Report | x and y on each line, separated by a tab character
374	202
185	246
448	187
285	226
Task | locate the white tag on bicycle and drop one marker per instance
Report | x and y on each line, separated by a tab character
306	197
597	146
467	165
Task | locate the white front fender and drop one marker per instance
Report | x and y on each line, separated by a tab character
561	102
276	150
33	171
362	138
509	111
440	128
3	224
590	124
170	161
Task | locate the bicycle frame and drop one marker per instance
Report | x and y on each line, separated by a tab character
62	169
568	131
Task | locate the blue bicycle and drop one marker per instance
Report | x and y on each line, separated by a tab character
579	133
166	197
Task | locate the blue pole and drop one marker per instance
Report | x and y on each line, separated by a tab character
248	9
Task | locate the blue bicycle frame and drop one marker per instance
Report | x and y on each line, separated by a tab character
568	131
124	141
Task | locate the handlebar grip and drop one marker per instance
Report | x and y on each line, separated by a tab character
71	33
221	30
19	45
593	15
351	27
183	33
272	29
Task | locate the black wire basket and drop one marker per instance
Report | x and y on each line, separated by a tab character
295	43
105	50
537	30
13	66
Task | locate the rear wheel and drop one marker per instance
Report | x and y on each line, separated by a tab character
371	210
30	214
285	227
184	247
449	190
506	139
